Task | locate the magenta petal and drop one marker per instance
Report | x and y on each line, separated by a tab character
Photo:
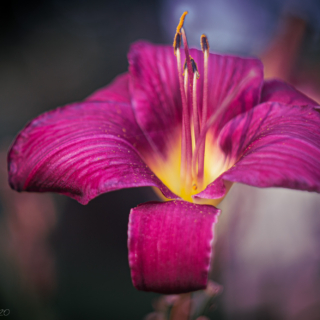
156	96
81	150
275	145
117	91
279	91
170	246
155	92
229	77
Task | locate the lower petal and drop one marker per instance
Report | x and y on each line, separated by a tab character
170	246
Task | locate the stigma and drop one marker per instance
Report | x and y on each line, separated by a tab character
193	119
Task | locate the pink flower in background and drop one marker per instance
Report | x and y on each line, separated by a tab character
190	130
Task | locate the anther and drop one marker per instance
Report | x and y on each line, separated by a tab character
194	67
185	67
176	42
181	22
204	43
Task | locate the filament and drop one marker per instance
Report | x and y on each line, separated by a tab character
196	124
205	48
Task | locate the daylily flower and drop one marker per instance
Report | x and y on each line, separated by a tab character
190	132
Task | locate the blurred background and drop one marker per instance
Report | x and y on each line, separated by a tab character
62	260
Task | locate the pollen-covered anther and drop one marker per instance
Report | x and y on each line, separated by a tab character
181	22
176	42
185	67
194	67
204	43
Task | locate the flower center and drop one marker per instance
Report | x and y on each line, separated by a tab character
198	159
193	119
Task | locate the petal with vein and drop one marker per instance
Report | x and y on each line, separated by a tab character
82	150
170	245
274	145
228	76
156	99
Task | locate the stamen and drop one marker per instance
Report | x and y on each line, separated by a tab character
196	124
194	67
204	43
205	49
187	169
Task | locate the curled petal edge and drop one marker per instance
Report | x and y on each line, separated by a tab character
170	246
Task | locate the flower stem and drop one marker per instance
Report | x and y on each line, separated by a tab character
182	308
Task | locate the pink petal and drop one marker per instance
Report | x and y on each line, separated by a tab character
155	92
238	78
117	91
81	150
170	246
279	91
156	96
275	145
